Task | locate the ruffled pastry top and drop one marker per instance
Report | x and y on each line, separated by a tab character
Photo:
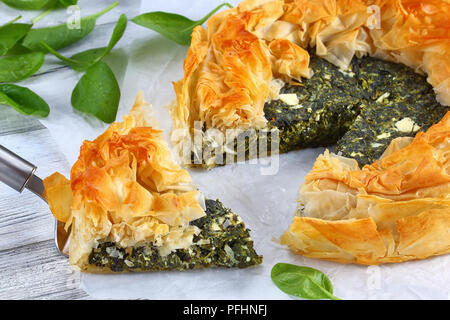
396	209
235	65
126	188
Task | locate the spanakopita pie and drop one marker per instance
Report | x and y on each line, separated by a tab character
315	72
132	208
395	209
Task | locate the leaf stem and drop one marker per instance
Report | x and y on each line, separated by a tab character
59	56
113	5
12	21
200	22
42	15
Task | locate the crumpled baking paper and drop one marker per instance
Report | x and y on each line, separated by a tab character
146	61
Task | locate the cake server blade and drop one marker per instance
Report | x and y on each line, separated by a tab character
18	174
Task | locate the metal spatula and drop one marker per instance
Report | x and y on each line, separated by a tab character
19	174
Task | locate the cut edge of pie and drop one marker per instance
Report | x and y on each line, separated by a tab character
241	60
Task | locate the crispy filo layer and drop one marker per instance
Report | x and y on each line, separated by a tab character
394	210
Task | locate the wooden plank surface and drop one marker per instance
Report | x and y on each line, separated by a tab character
38	271
31	267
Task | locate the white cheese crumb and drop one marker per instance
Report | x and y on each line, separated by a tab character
376	144
114	253
347	73
406	125
383	96
289	98
129	263
354	154
229	252
384	135
215	227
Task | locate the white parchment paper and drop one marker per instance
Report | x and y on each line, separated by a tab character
146	61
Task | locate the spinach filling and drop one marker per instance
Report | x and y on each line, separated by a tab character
328	105
393	93
358	110
223	241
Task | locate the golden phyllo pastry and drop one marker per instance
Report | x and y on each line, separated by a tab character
393	210
132	208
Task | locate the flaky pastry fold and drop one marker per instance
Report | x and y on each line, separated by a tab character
126	188
393	210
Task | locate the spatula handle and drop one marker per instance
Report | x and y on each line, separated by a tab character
15	171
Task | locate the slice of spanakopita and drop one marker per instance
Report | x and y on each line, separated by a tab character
393	210
132	208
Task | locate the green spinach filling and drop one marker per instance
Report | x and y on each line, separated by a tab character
393	93
328	105
360	110
223	241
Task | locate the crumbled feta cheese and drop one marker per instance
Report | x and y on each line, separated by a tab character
347	73
384	135
376	144
383	96
215	227
289	98
406	125
129	263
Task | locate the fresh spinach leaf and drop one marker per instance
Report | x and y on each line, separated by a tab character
38	4
80	62
61	36
67	3
16	68
303	282
85	59
23	100
175	27
88	57
10	34
17	50
97	93
27	4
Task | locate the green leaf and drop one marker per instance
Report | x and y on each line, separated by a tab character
27	4
16	68
38	4
67	3
10	34
118	32
97	93
88	57
173	26
303	282
75	64
61	36
23	100
85	59
17	50
92	56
